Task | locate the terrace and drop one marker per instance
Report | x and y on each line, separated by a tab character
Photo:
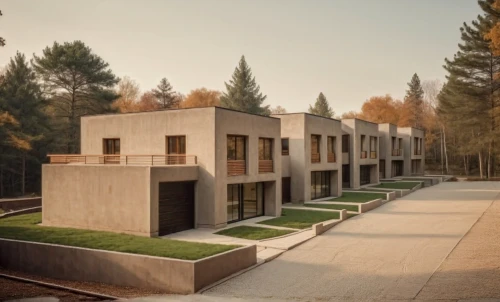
120	159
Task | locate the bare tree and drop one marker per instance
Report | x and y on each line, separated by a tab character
128	90
278	110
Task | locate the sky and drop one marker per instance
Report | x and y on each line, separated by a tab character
349	50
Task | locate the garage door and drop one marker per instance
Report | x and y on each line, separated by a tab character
176	207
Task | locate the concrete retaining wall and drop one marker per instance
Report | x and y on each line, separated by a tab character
21	212
20	203
368	206
320	228
81	264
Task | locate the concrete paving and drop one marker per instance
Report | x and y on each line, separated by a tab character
386	254
397	252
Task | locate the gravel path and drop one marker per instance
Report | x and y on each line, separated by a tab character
387	254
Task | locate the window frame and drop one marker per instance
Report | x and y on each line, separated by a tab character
178	144
285	151
113	147
236	139
268	146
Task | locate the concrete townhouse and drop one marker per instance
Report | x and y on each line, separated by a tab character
391	155
156	173
414	150
311	167
360	156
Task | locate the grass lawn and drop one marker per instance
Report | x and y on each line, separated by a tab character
347	207
300	219
1	211
253	233
24	227
360	197
373	189
397	185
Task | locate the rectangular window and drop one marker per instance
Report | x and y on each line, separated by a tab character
236	147
284	147
265	149
315	148
331	144
393	143
363	139
176	145
364	174
111	146
345	143
373	147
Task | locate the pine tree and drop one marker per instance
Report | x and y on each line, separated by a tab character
79	83
165	95
413	106
321	107
21	97
243	93
476	85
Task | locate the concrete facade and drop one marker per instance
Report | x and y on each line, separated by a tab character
391	150
414	161
298	128
360	134
124	198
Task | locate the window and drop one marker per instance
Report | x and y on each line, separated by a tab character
284	147
265	149
111	146
345	143
364	174
363	139
394	143
320	184
315	148
236	147
373	147
331	144
244	201
176	145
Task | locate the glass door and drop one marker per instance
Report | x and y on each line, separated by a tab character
244	201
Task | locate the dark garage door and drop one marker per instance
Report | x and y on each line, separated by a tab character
176	207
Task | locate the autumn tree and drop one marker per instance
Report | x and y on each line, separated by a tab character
201	97
350	115
78	83
165	95
2	40
321	107
493	35
128	90
381	109
243	93
278	110
147	102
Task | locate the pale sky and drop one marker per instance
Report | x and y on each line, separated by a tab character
349	50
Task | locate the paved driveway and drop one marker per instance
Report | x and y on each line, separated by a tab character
387	254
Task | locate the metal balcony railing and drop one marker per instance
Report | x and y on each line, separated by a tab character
120	159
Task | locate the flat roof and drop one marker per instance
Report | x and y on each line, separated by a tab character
306	113
355	118
174	109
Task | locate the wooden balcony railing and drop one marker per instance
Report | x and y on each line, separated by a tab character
266	166
236	167
331	158
373	154
397	152
315	158
364	154
418	152
120	159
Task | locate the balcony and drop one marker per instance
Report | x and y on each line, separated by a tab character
119	159
373	154
266	166
315	158
331	158
397	152
364	154
236	167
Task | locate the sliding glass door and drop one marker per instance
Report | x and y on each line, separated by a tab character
320	184
244	201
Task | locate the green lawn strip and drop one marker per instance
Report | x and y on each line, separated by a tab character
300	219
253	233
1	211
24	227
360	197
347	207
398	185
372	189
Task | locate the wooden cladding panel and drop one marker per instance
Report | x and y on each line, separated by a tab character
315	158
331	157
266	166
236	167
364	154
